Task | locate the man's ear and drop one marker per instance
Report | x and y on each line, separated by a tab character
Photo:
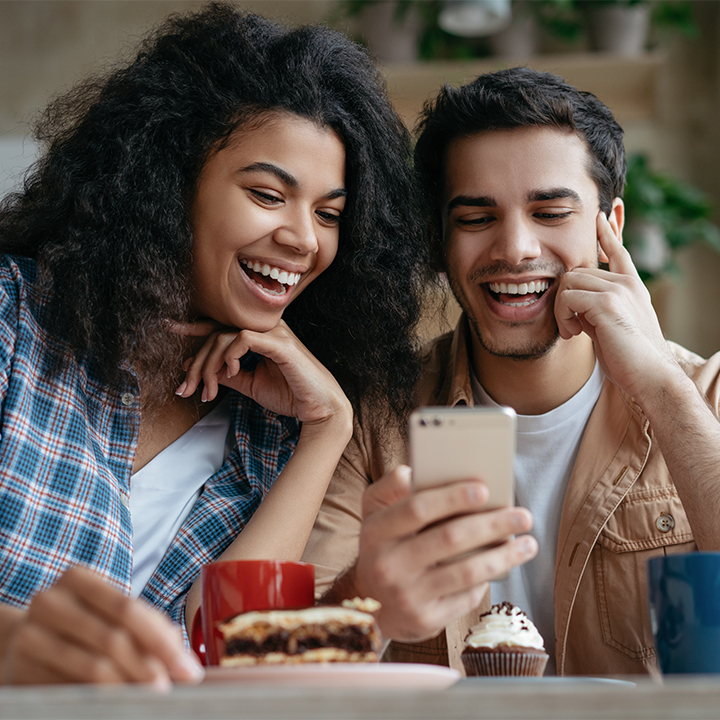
616	218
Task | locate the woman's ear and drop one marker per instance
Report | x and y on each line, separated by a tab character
616	218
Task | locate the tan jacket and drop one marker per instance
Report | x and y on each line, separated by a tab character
613	520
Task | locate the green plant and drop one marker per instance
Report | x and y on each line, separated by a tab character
563	19
676	212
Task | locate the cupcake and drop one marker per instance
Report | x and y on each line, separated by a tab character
504	642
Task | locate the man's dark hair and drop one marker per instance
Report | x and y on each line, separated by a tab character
516	98
106	210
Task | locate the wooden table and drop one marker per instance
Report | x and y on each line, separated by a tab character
691	697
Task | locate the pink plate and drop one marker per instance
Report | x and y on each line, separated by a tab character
375	675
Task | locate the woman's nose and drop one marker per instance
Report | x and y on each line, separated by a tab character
299	232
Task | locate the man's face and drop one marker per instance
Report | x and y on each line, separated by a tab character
519	210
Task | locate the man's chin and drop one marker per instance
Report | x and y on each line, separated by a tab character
530	350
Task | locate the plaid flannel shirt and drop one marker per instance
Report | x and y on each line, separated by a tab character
67	445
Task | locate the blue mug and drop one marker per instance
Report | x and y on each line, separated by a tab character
684	599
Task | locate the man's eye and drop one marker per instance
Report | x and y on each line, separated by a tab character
552	216
484	220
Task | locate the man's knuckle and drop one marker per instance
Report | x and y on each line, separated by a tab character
416	510
383	574
451	535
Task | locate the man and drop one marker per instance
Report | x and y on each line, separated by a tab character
618	438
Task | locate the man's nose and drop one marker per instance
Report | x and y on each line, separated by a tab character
516	241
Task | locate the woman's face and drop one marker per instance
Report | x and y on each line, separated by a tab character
265	220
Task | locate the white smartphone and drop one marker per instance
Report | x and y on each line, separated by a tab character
450	444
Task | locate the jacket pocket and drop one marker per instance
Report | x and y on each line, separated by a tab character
646	524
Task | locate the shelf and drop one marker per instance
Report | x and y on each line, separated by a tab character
628	86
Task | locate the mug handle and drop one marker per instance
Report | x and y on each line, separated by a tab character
197	641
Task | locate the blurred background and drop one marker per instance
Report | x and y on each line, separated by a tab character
655	63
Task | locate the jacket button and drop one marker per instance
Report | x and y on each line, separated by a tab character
665	523
127	398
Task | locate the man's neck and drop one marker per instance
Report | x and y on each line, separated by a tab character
534	387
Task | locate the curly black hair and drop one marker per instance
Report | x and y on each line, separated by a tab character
515	98
106	211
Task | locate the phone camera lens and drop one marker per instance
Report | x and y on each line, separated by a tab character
437	421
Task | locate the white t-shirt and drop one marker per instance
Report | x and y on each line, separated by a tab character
163	492
547	446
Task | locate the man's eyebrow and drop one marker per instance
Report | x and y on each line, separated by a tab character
287	178
560	193
468	201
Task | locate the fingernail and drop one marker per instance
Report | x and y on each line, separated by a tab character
477	494
190	668
181	389
519	523
527	547
162	683
229	373
203	397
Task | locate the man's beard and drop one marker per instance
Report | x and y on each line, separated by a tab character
529	351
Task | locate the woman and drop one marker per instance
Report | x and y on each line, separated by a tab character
235	202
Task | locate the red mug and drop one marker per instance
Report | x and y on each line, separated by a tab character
228	588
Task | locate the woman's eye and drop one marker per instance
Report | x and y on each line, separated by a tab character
265	197
329	218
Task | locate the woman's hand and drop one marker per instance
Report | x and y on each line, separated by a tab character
83	630
287	379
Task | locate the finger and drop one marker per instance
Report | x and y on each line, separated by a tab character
451	538
619	260
483	566
193	372
427	507
214	365
151	631
58	611
44	657
390	489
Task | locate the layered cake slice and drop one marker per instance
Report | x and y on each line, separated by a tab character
324	633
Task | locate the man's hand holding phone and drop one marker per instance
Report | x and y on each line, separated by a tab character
414	554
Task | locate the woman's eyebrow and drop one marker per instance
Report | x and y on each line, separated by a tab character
287	178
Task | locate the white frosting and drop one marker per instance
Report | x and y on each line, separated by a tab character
504	626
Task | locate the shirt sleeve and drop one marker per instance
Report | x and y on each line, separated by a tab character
333	543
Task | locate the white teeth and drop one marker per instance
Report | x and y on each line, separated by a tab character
282	276
534	286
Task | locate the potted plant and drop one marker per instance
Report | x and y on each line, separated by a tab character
623	26
663	215
391	29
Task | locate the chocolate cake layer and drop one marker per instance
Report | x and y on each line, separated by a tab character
318	634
